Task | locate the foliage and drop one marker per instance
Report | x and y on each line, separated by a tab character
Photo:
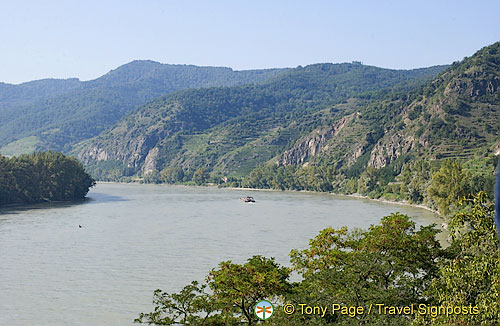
339	132
391	263
235	291
415	180
368	181
404	139
471	275
43	176
191	306
311	178
231	130
448	184
237	288
200	176
173	174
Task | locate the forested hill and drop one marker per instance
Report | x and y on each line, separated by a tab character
455	116
230	130
431	145
53	114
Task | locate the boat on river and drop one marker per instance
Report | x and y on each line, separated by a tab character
248	199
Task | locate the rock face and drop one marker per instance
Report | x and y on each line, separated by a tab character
314	143
496	150
94	153
150	161
387	150
458	113
135	153
358	149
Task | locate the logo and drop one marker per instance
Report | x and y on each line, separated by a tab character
264	310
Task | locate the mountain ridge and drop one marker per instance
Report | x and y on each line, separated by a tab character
455	116
178	129
61	112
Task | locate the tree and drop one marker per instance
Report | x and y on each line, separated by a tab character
42	176
368	181
448	184
172	174
235	291
191	306
415	180
200	176
237	288
471	275
391	263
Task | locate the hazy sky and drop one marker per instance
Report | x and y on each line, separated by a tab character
86	38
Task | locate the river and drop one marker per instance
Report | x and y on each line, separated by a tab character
137	238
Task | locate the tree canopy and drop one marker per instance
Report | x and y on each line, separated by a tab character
41	177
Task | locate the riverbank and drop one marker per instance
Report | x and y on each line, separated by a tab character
382	200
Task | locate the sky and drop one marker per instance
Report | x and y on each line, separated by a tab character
86	39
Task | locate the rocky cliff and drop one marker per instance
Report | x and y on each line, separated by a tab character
456	115
314	143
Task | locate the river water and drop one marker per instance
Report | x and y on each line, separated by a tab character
137	238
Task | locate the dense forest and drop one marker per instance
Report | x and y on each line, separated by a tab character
393	263
42	177
53	114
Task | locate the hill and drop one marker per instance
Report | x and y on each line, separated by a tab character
431	145
455	116
54	114
230	130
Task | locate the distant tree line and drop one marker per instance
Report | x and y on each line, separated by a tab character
41	177
435	184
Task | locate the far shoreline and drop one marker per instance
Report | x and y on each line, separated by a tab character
404	203
356	196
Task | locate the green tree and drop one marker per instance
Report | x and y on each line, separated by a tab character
237	288
172	174
200	176
415	180
391	263
471	275
368	181
43	176
448	184
191	306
